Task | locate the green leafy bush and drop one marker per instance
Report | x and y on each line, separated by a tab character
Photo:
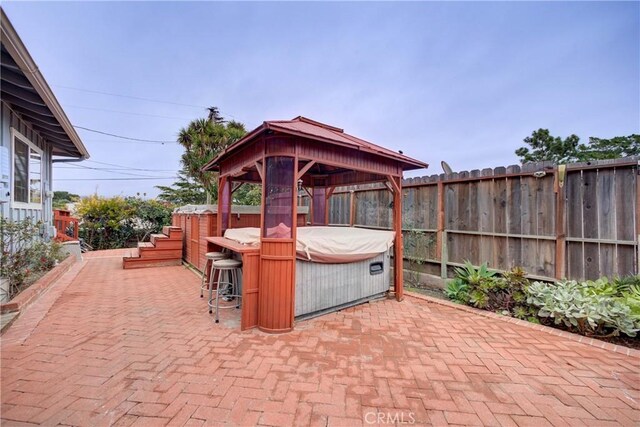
598	308
457	290
486	289
25	256
591	308
117	222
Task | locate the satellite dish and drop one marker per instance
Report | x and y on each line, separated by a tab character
446	168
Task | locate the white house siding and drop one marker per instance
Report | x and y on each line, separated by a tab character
9	119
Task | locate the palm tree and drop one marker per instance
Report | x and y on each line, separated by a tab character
203	139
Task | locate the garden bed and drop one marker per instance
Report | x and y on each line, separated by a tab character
622	340
604	310
30	293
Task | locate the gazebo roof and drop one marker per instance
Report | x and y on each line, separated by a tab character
313	130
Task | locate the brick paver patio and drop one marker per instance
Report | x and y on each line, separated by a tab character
108	346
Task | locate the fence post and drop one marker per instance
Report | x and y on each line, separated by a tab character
440	233
444	256
352	208
560	173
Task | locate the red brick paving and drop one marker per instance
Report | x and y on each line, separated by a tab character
107	346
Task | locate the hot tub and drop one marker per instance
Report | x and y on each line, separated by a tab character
336	267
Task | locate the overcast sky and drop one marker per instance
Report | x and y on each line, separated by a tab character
461	82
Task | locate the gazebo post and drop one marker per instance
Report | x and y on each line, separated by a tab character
278	244
398	260
224	204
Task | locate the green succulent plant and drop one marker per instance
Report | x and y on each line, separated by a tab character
590	307
457	290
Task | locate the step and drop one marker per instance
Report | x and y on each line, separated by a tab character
165	243
129	263
145	245
157	236
155	253
172	232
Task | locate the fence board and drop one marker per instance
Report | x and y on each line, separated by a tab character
471	244
626	261
591	260
452	207
590	205
607	260
606	191
625	203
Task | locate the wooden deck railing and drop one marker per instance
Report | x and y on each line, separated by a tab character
66	225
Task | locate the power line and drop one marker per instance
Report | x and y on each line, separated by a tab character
115	169
115	141
140	98
114	179
125	137
119	169
125	112
121	173
129	96
124	166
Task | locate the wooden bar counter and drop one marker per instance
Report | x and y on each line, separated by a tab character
250	256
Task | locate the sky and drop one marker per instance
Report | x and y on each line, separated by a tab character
463	82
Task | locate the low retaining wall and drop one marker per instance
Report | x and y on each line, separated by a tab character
28	295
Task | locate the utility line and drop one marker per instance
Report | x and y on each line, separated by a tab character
141	99
115	169
129	96
128	167
115	141
125	137
121	173
114	179
131	113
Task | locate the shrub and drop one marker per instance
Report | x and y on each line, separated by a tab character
457	290
591	308
482	288
25	256
117	222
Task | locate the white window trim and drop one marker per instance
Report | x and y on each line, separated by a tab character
21	205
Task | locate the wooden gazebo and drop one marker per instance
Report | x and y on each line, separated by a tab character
285	156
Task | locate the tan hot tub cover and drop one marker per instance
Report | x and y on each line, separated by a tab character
331	245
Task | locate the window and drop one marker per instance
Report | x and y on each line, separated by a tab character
27	171
278	199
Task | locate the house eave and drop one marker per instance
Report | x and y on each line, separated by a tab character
17	50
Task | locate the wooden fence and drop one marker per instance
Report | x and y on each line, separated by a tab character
578	221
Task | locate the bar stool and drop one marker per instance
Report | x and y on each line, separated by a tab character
211	256
229	288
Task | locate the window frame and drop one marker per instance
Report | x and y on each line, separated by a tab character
15	134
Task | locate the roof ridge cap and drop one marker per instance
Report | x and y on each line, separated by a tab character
314	122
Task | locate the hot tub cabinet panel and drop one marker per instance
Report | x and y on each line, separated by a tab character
328	287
